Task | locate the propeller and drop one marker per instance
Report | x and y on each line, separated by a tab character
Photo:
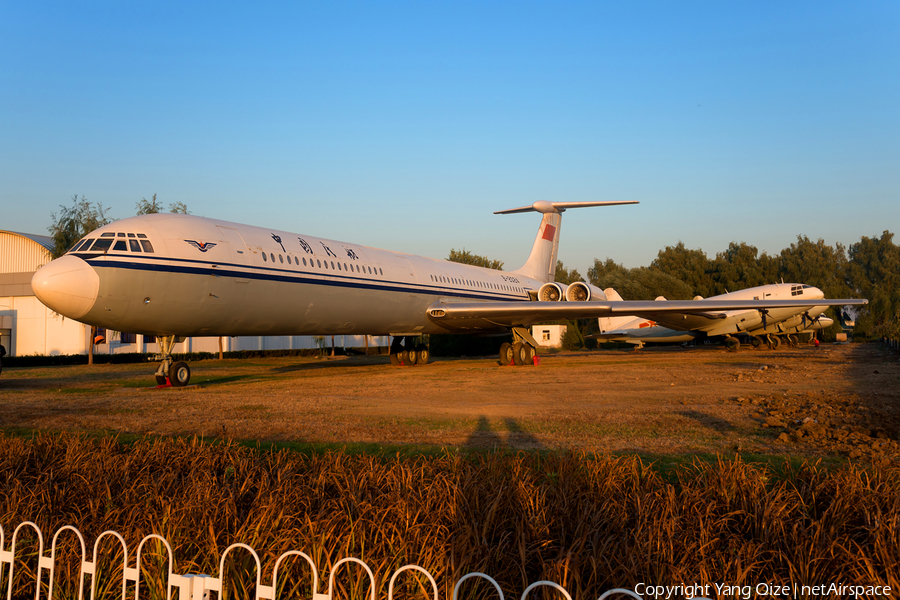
765	318
812	321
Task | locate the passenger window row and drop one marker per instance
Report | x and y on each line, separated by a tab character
118	242
474	283
323	264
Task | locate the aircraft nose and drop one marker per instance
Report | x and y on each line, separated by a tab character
815	293
67	285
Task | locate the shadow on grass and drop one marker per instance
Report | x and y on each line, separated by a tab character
485	438
706	420
336	363
228	379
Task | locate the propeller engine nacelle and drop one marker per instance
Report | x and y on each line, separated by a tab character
584	292
552	292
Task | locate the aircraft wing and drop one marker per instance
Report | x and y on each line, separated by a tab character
491	315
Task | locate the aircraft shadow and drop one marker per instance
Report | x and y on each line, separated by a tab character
873	375
706	420
484	437
356	361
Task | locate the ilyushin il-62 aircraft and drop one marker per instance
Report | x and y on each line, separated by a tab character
759	326
174	276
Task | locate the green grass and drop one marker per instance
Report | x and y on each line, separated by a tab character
74	390
664	464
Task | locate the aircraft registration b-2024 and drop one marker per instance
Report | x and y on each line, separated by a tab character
174	276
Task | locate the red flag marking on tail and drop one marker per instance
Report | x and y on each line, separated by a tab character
549	232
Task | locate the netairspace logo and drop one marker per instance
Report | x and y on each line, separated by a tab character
772	590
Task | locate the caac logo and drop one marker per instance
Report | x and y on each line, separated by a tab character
201	246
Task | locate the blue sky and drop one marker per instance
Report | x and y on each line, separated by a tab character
405	125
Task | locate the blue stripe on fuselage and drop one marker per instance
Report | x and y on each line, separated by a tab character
273	274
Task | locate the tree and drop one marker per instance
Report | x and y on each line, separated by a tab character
573	338
738	267
640	283
692	267
566	276
152	207
179	208
875	274
73	223
467	258
148	207
816	264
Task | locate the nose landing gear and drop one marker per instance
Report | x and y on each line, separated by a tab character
170	373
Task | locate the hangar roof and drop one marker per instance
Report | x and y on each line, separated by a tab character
23	252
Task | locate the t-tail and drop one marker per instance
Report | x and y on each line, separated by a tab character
541	264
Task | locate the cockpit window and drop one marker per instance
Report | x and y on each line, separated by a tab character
85	244
102	245
119	242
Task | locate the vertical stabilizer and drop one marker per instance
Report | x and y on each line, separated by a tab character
541	263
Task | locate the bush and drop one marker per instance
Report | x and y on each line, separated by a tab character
572	338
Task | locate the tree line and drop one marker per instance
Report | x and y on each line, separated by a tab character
869	269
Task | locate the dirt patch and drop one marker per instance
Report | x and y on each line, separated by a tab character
841	399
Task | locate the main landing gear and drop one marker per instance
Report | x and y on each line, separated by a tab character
405	352
522	351
517	353
170	373
772	341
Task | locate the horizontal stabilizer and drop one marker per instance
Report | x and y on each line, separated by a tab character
543	206
541	263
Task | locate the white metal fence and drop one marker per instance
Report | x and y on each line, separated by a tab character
198	586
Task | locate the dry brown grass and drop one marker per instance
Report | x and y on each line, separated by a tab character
588	522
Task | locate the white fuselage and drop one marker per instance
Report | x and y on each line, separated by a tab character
167	274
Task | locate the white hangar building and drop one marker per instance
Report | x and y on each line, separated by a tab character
27	327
